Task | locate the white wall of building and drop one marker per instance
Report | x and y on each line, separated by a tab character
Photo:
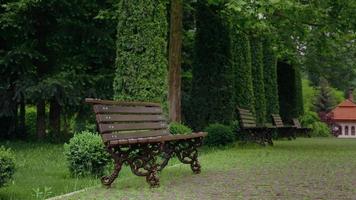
348	130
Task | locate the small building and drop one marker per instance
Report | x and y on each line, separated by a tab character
344	115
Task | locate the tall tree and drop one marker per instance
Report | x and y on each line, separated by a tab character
270	78
258	80
175	60
212	89
141	63
289	90
241	60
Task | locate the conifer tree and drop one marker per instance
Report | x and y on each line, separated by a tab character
258	80
270	78
212	86
141	61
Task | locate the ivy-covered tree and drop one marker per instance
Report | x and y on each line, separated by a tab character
289	90
241	61
212	87
270	78
141	59
258	80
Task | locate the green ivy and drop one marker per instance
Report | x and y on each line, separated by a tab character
141	59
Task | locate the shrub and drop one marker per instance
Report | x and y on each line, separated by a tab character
309	118
320	129
178	128
7	166
86	154
219	135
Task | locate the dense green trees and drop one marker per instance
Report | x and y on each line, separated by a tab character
212	87
258	80
141	59
270	78
56	52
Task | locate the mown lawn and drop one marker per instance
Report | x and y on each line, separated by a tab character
41	172
301	169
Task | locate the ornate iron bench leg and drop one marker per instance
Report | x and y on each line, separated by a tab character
187	153
108	180
142	162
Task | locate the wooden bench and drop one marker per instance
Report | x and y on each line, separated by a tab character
136	134
301	130
259	134
283	130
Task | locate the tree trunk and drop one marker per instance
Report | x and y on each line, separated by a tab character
41	119
175	55
55	118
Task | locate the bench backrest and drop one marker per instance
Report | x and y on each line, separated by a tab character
277	120
128	120
296	123
247	119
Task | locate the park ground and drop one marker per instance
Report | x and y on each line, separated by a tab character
306	168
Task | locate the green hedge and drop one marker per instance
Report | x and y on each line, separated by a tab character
141	61
218	135
212	86
241	60
270	79
258	80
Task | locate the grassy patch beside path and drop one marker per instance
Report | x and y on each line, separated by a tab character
41	172
300	169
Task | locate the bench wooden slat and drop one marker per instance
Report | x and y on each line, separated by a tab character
248	121
134	134
98	109
297	123
122	103
105	128
128	118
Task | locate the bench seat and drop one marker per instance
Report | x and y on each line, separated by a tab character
136	134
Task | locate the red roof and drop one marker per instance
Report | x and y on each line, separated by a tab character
345	111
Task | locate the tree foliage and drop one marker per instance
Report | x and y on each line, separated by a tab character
141	51
325	100
55	51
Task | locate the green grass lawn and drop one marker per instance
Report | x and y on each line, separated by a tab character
41	172
300	169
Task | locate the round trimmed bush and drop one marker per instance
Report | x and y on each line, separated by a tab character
178	128
86	154
218	135
7	166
